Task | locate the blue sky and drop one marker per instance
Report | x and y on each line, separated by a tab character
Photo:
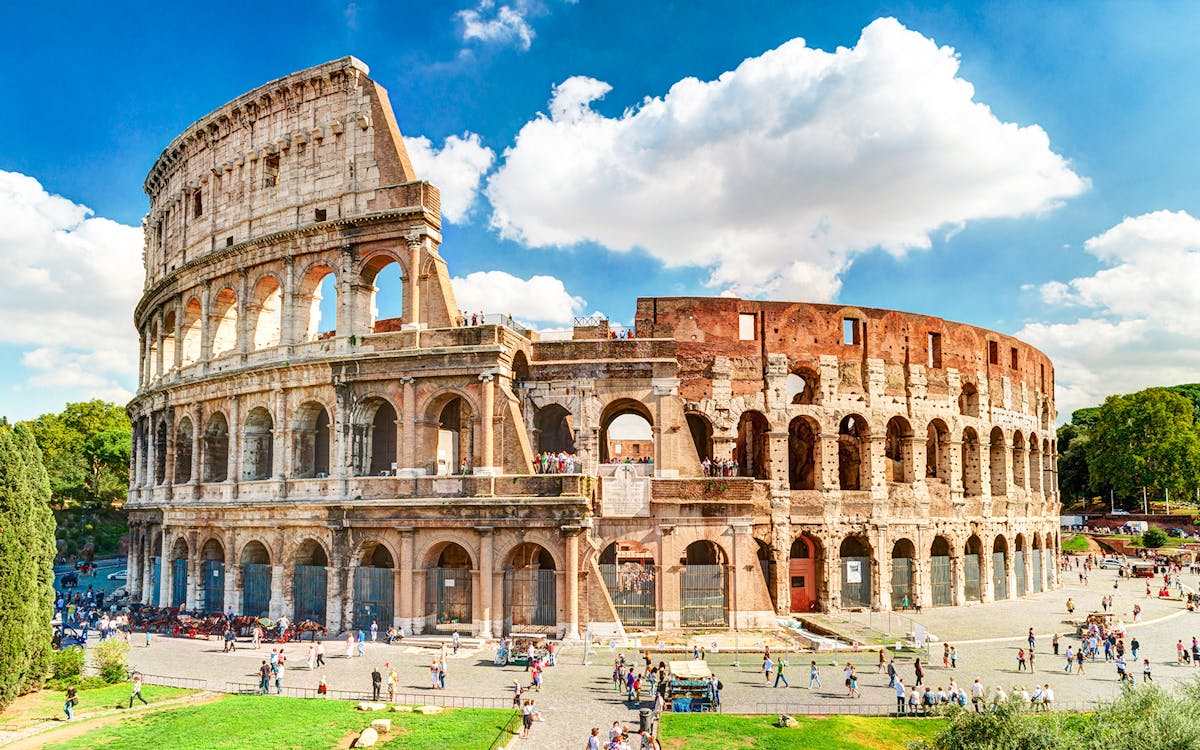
1081	241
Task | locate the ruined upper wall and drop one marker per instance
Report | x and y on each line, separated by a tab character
314	146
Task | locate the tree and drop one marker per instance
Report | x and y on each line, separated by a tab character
1147	439
1154	538
1073	479
26	564
86	452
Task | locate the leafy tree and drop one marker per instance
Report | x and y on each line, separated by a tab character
26	559
1154	538
1073	478
86	452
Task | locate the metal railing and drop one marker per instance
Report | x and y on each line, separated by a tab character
879	709
410	699
510	729
190	683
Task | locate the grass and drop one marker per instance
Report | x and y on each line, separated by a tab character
46	705
1077	543
728	732
241	721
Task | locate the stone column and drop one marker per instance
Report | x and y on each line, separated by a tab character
177	356
572	534
233	575
413	292
165	572
245	326
486	419
149	478
408	419
205	325
193	582
833	573
281	601
486	568
347	281
288	314
986	592
197	441
881	572
958	580
133	562
158	351
405	580
339	596
234	474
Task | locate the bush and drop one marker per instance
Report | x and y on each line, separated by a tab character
68	663
111	659
1154	538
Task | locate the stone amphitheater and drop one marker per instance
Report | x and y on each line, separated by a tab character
349	467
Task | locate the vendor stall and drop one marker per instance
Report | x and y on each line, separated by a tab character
689	686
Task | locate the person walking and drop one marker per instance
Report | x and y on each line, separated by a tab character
779	673
977	695
1020	660
73	700
376	684
264	677
1146	671
814	676
945	655
320	653
362	641
374	630
891	670
279	677
954	657
919	672
1031	639
392	679
854	684
882	662
1054	643
455	641
900	694
593	742
311	660
1079	661
1032	653
137	690
1133	647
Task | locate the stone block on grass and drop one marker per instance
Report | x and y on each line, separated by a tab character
367	738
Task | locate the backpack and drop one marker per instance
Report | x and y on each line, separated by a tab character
720	685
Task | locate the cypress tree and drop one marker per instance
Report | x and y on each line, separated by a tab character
26	564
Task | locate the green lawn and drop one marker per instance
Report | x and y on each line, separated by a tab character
47	704
242	721
727	732
1077	543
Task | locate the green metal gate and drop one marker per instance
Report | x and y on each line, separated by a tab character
939	573
530	597
374	597
309	593
972	590
702	596
179	583
155	583
632	589
1036	559
1019	571
214	586
448	596
856	582
999	579
903	581
256	589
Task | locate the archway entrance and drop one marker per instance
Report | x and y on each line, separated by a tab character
856	572
258	450
211	595
804	573
309	583
179	573
999	572
802	453
311	441
751	453
626	433
1036	560
448	588
555	431
904	574
530	590
941	583
256	580
702	586
972	560
702	435
374	587
629	575
852	436
454	445
1019	565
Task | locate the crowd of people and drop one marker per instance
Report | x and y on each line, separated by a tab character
726	468
550	462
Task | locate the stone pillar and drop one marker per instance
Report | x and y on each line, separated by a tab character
827	472
486	568
572	534
667	588
407	612
497	586
418	594
876	462
986	592
881	572
235	442
280	437
339	597
245	326
281	600
347	281
833	573
158	345
165	570
233	575
193	582
288	314
413	292
133	561
487	464
205	325
409	449
151	454
958	580
197	441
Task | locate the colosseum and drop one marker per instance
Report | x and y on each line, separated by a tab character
725	462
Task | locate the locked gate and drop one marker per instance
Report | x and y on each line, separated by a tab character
155	593
939	574
256	589
631	586
214	586
309	593
972	589
448	596
179	570
530	595
374	597
702	596
903	580
856	582
999	580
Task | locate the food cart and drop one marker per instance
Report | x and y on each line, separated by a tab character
689	686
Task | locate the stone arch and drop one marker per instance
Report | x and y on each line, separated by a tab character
184	434
520	367
626	549
803	386
212	549
374	448
452	412
701	429
168	340
258	448
1020	462
432	553
312	552
374	552
941	581
904	573
224	322
210	593
448	583
937	451
855	553
216	448
316	281
310	583
256	576
266	312
641	436
806	564
854	468
192	314
160	452
972	481
374	585
751	451
704	552
312	438
382	276
804	447
968	400
998	462
255	551
973	562
898	450
555	429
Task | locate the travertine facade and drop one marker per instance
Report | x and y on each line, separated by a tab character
383	469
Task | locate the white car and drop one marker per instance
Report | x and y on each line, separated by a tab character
1112	562
119	575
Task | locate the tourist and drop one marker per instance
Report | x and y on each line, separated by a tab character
814	676
593	742
279	677
376	684
854	684
779	673
362	641
72	701
1146	671
767	667
441	673
899	685
518	691
1020	660
264	677
891	671
320	653
374	630
954	657
392	679
349	645
1054	643
977	694
1031	639
454	640
919	672
945	655
1079	661
137	690
311	660
323	687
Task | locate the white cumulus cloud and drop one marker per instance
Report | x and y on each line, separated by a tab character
537	300
1139	315
504	24
69	284
457	169
778	173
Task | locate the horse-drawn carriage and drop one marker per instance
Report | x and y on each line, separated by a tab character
515	649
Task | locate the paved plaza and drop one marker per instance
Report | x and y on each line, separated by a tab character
576	697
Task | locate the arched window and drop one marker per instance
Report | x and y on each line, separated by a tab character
904	574
265	311
312	437
183	451
998	461
168	341
383	278
216	448
1020	461
258	445
626	433
971	466
968	400
455	437
803	442
854	469
802	386
937	451
316	304
751	453
192	312
224	322
374	447
898	450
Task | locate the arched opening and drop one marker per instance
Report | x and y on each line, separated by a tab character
211	593
854	469
968	400
152	365
941	582
448	587
998	464
265	311
855	554
256	580
702	586
1049	485
630	575
555	429
972	562
316	304
258	450
373	444
802	386
530	590
804	573
312	437
384	279
937	452
1035	464
1000	568
766	564
904	574
1035	562
751	453
224	322
455	437
1019	564
216	448
168	341
898	450
702	436
520	368
803	445
183	451
192	337
179	573
309	582
626	433
154	595
971	481
160	453
1019	461
374	587
1049	550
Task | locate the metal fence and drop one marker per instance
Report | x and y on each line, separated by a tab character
213	590
309	592
903	580
632	589
972	588
448	595
999	579
408	699
179	574
374	596
702	595
155	582
856	582
189	683
256	589
889	624
939	573
1019	571
531	598
871	709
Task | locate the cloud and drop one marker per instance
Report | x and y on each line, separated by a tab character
456	169
506	24
778	173
538	300
1138	320
68	288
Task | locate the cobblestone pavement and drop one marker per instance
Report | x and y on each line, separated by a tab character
576	697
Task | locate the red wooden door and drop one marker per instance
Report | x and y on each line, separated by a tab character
803	584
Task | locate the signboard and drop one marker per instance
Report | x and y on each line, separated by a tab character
853	571
626	494
448	583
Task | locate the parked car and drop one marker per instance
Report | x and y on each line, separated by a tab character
1177	533
1112	562
119	575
